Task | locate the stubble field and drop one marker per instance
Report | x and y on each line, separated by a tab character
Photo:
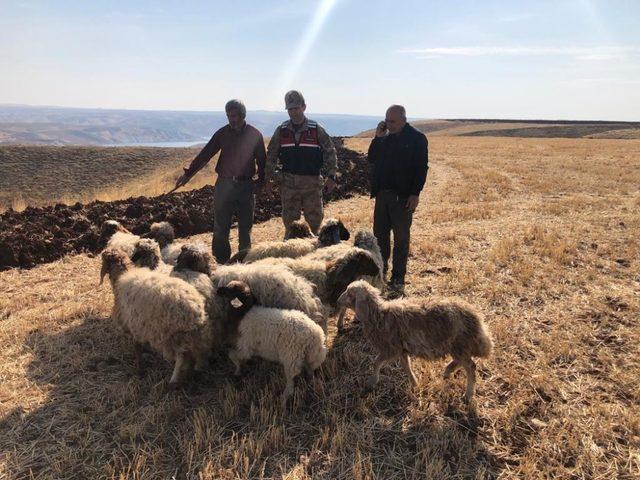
543	235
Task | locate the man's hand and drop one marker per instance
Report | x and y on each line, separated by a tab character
329	185
412	202
381	130
182	180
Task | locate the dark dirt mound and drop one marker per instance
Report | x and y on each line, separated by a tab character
44	234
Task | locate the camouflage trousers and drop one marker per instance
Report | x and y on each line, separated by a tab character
301	193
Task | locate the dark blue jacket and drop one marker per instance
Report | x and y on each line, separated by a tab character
408	157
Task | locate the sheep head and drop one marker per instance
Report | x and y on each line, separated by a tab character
332	232
114	263
109	227
238	295
365	239
358	296
161	232
195	258
354	265
146	254
300	229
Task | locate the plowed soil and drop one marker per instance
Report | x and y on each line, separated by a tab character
44	234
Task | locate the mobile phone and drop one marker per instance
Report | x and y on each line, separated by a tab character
383	124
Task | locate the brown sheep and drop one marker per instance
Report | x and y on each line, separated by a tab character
428	329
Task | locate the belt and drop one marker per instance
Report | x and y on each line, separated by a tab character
238	178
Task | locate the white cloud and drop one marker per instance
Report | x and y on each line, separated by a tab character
597	53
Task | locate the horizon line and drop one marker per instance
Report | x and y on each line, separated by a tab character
411	118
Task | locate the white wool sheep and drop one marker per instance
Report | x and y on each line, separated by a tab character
430	329
167	313
288	337
329	278
164	234
331	232
193	265
274	286
114	235
147	254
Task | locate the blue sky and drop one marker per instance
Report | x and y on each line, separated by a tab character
569	59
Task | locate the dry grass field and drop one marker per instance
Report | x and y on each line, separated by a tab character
524	129
43	175
542	234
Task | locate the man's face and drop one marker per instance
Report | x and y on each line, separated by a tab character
395	122
235	120
296	114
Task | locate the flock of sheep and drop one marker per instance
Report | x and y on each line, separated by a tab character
273	301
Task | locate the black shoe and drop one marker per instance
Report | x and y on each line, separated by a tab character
395	288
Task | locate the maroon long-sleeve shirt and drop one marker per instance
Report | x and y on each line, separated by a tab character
241	152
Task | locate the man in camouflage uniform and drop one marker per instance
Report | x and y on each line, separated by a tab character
304	148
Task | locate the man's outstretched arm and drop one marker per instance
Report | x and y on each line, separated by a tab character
210	149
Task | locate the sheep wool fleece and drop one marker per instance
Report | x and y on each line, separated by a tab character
164	311
285	336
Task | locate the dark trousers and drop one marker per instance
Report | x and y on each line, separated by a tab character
232	197
391	214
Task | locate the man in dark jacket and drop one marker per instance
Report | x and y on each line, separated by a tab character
242	152
399	154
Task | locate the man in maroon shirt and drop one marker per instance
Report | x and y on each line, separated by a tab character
241	148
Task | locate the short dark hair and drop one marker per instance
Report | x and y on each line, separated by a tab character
236	105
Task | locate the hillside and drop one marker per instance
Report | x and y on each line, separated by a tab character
84	126
525	129
543	238
44	234
41	175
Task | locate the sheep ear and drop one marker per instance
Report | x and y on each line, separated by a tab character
103	272
344	233
222	291
330	264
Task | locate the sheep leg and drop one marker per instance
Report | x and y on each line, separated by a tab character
405	361
308	371
290	373
377	366
451	368
470	369
341	314
180	369
202	362
138	348
234	356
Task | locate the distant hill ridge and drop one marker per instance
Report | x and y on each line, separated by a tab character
20	124
525	128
